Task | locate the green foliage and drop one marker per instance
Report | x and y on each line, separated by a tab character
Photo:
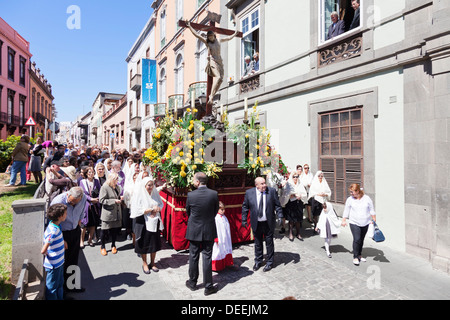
6	149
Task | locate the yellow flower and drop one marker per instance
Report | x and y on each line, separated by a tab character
188	110
203	129
194	167
183	174
253	166
181	153
195	110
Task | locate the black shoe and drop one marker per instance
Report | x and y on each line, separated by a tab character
146	272
267	268
282	230
192	286
211	290
256	266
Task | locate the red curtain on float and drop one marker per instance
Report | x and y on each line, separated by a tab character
175	218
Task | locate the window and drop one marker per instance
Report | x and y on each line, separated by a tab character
341	150
39	102
346	13
179	74
250	39
162	86
11	95
22	65
1	55
201	60
11	57
200	3
131	110
179	14
162	30
22	110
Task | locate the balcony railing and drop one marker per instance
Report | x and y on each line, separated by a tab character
136	82
200	88
3	117
159	109
339	51
176	98
249	84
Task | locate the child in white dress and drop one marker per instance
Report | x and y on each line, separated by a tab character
222	250
328	225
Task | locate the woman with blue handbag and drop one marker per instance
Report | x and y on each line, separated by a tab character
360	212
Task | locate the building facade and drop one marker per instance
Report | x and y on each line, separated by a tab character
139	121
41	103
114	123
14	81
99	108
367	106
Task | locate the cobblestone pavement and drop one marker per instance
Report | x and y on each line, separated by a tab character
301	270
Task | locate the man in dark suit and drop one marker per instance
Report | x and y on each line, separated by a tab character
337	26
202	206
262	202
355	21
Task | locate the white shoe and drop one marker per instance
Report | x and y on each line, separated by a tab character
356	262
362	259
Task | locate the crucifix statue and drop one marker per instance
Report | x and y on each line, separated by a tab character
214	67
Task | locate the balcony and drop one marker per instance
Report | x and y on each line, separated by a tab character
40	118
159	109
136	82
340	51
94	131
200	89
177	99
3	118
136	124
249	83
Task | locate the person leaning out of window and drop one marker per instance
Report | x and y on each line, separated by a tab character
360	212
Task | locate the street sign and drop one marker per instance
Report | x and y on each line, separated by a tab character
30	122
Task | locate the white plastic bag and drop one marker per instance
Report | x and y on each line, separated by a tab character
370	231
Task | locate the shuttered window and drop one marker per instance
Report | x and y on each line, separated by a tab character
341	150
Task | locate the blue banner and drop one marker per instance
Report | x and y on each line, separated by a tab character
149	84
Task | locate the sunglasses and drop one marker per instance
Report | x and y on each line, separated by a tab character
295	177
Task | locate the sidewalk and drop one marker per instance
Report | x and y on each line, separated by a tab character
301	270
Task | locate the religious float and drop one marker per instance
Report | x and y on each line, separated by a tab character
232	156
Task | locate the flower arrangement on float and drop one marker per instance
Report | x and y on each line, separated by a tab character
178	148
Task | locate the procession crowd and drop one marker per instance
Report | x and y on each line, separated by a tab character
94	195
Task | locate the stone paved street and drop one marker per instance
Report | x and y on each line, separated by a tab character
302	270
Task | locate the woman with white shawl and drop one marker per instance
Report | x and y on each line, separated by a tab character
319	193
294	206
306	179
131	183
328	225
146	206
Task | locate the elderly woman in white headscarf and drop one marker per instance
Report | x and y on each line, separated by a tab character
294	206
328	225
146	206
319	193
132	181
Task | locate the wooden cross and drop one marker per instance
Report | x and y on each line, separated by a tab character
213	19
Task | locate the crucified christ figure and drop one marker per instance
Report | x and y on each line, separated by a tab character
214	67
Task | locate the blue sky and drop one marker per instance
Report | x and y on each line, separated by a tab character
79	63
